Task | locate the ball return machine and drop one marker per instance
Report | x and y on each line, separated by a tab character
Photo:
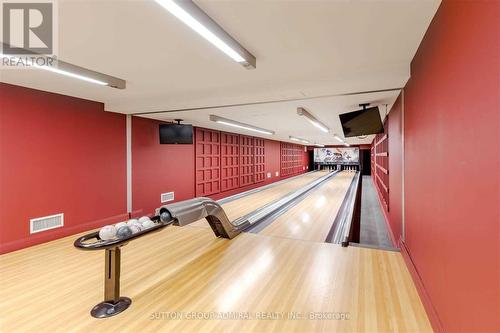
179	214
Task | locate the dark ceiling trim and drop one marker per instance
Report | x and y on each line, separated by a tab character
268	102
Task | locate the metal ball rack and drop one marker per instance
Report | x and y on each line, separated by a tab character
180	214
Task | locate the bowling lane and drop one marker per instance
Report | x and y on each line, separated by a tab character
186	271
249	203
312	218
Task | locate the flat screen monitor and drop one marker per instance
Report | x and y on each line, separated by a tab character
361	122
176	134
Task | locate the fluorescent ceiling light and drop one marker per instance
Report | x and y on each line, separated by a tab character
70	70
338	138
318	145
73	75
195	18
312	119
237	124
298	139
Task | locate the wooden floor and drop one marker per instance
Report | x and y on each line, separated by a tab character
249	203
178	271
312	218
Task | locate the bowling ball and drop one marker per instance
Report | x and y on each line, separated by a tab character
148	224
119	225
144	219
165	216
132	221
137	224
124	232
107	232
135	228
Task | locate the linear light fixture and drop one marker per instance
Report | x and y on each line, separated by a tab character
339	139
195	18
67	69
293	138
303	112
318	145
237	124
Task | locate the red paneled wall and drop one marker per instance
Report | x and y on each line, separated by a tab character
395	151
246	160
259	160
59	154
207	162
386	164
157	168
230	161
451	168
380	165
292	159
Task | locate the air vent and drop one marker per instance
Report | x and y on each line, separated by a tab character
166	197
46	223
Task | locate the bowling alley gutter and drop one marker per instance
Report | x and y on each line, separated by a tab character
341	231
259	189
283	208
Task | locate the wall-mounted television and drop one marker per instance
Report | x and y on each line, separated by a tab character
176	134
361	122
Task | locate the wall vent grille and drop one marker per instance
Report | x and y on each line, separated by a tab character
166	197
46	223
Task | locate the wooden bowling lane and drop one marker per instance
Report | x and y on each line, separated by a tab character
249	203
312	218
186	273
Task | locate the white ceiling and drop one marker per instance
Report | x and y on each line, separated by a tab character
303	49
282	117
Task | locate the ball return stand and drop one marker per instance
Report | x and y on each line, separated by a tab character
179	214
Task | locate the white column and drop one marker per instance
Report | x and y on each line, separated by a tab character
403	228
129	162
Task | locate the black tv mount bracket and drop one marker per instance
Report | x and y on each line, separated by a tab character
364	105
178	121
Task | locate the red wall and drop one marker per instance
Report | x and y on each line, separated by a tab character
272	159
59	154
452	165
158	168
393	211
272	153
